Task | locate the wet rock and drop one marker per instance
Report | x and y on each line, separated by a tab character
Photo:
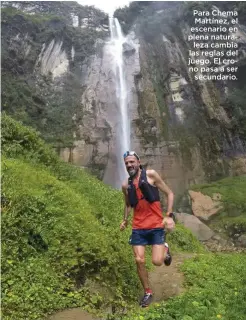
198	228
216	237
204	206
184	204
128	48
242	240
238	166
223	242
223	246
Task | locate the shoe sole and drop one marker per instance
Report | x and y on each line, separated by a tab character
146	305
167	263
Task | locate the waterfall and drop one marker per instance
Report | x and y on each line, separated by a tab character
123	124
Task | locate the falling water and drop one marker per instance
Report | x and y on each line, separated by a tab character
123	134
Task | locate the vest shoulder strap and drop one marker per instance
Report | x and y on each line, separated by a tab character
132	195
143	175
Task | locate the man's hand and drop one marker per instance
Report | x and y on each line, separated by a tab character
168	223
123	225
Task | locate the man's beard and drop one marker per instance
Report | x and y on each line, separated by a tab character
132	172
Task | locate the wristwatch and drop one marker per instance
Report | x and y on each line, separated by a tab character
171	215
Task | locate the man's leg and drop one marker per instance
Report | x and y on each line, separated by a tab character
158	254
139	253
160	249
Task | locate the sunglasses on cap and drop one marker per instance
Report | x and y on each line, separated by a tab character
130	153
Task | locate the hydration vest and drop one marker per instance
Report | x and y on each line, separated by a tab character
150	193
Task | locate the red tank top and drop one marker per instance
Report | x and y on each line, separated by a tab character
146	215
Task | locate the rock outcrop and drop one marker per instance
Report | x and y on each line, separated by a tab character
204	206
242	240
198	228
213	240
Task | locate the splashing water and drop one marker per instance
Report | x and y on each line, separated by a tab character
123	134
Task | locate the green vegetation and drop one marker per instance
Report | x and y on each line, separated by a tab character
59	231
182	240
187	143
231	220
47	222
37	18
216	289
128	15
232	191
59	10
231	224
230	227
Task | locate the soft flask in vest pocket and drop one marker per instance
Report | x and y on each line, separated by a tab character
147	191
132	195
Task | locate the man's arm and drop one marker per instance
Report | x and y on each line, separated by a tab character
160	184
127	208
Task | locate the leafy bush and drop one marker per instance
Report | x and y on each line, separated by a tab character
46	219
216	289
182	239
10	12
19	140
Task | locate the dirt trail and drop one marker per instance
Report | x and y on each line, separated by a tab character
72	314
165	281
168	281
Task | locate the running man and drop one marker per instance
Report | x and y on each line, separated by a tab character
141	192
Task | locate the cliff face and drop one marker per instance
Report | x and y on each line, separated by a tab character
196	121
44	47
59	78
